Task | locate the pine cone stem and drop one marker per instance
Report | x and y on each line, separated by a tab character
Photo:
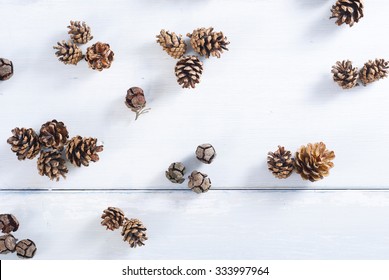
140	112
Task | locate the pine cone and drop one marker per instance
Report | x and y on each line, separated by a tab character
172	43
25	248
99	56
347	11
24	142
7	243
82	150
68	52
135	100
113	218
206	42
52	165
345	74
205	153
79	32
199	182
6	69
313	162
373	71
280	163
53	134
134	232
188	71
8	223
176	172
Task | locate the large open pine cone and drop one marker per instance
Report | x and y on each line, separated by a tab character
206	42
172	43
134	233
68	52
24	142
373	71
113	218
345	75
79	32
280	163
347	11
80	151
52	165
53	134
188	71
313	162
99	56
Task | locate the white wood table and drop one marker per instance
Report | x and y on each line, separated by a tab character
273	87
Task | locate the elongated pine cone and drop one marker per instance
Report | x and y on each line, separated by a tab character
24	142
188	71
345	75
373	71
7	243
206	42
175	173
172	43
313	162
113	218
280	163
53	134
347	11
52	165
99	56
68	52
199	182
26	248
8	223
79	32
134	233
80	151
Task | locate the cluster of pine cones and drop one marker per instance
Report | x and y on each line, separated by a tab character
99	56
54	147
204	41
313	162
133	230
347	11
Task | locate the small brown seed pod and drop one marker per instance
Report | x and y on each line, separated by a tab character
135	100
8	223
25	248
176	172
7	243
205	153
6	69
113	218
280	163
199	182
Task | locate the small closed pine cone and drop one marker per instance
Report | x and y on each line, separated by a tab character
176	172
6	69
25	143
188	71
134	233
26	248
313	162
113	218
80	151
205	153
68	52
280	163
53	134
373	71
8	223
206	42
99	56
135	100
7	243
79	32
345	75
172	43
199	182
52	165
347	11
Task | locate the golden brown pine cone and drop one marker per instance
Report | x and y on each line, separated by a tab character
113	218
280	163
206	42
8	223
80	151
345	75
99	56
79	32
172	43
134	233
53	134
188	71
68	52
373	71
24	142
52	165
313	162
347	11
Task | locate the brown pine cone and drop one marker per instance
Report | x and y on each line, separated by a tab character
188	71
345	75
7	243
134	233
8	223
99	56
373	71
176	172
6	69
79	32
68	52
172	43
24	142
52	165
347	11
205	153
53	134
80	151
25	248
206	42
113	218
135	100
199	182
280	163
313	162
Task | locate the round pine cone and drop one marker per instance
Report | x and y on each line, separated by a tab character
206	42
99	56
24	142
172	43
135	99
53	134
80	151
134	233
52	165
345	74
25	248
6	69
7	243
313	162
79	32
188	71
176	172
280	163
373	71
205	153
68	52
199	182
347	11
8	223
113	218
